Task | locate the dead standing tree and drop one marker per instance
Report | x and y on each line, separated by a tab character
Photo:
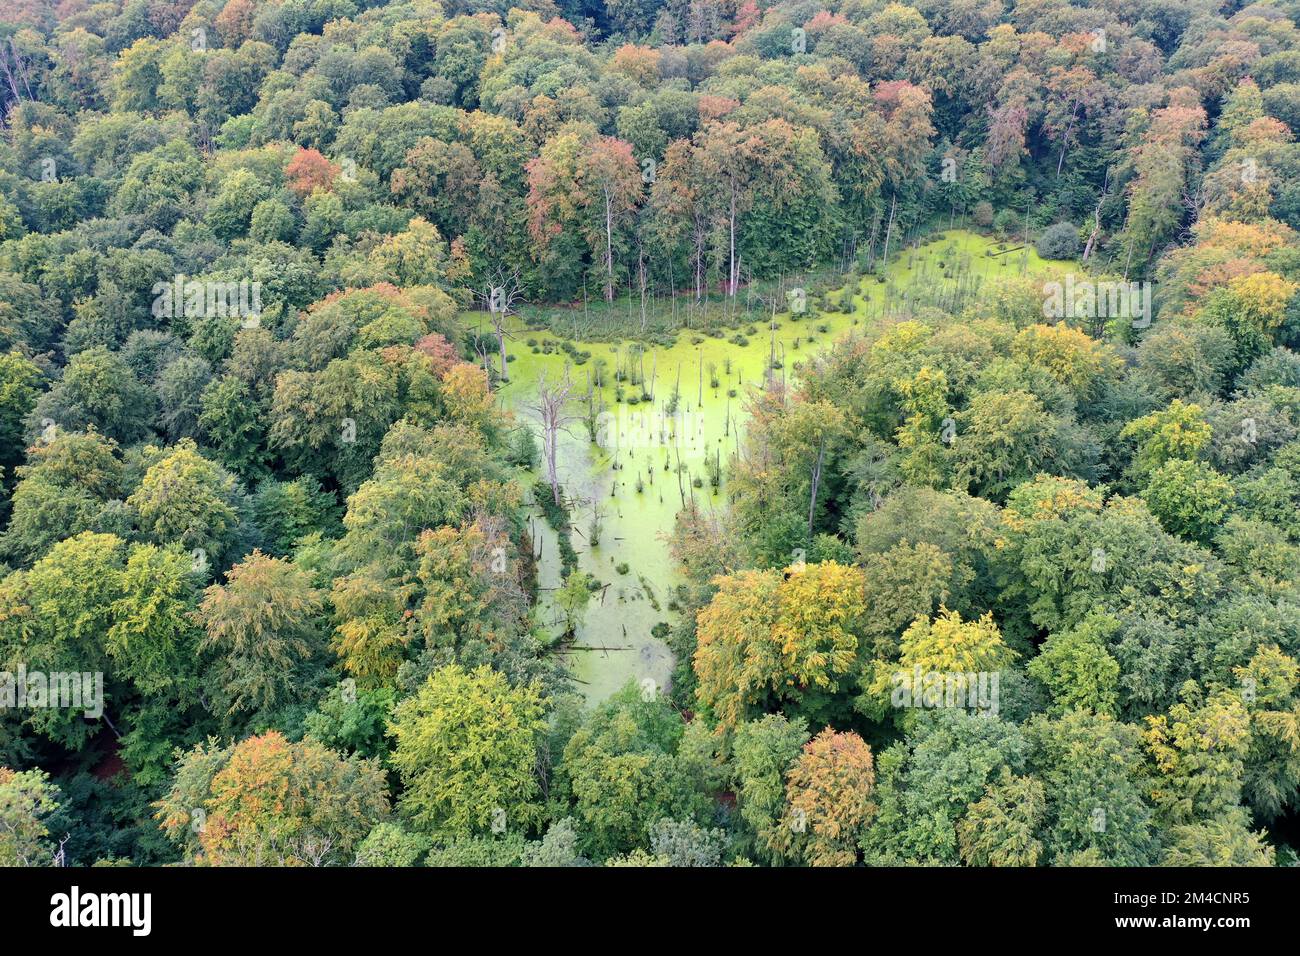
889	231
17	84
1096	219
499	295
816	482
551	409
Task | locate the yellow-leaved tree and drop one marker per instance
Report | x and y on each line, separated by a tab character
945	652
773	635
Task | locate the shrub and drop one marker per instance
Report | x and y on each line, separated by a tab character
1060	241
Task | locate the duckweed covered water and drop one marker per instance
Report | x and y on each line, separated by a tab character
627	487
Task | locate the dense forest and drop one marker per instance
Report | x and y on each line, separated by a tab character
1004	571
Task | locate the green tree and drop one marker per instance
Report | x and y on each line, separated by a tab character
388	844
763	753
768	635
63	490
19	381
1178	431
1000	828
1199	750
558	848
465	748
408	494
54	618
1077	669
1222	841
189	501
27	801
264	629
1092	773
98	390
926	783
572	600
621	773
1001	440
1269	685
153	640
234	423
1190	498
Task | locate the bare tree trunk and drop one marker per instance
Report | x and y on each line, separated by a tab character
641	281
884	259
1065	141
498	323
771	346
731	226
816	482
609	247
1024	262
701	235
550	408
499	298
1096	220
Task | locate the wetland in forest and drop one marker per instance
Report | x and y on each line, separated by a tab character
650	456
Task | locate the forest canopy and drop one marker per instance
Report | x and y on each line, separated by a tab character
1003	572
